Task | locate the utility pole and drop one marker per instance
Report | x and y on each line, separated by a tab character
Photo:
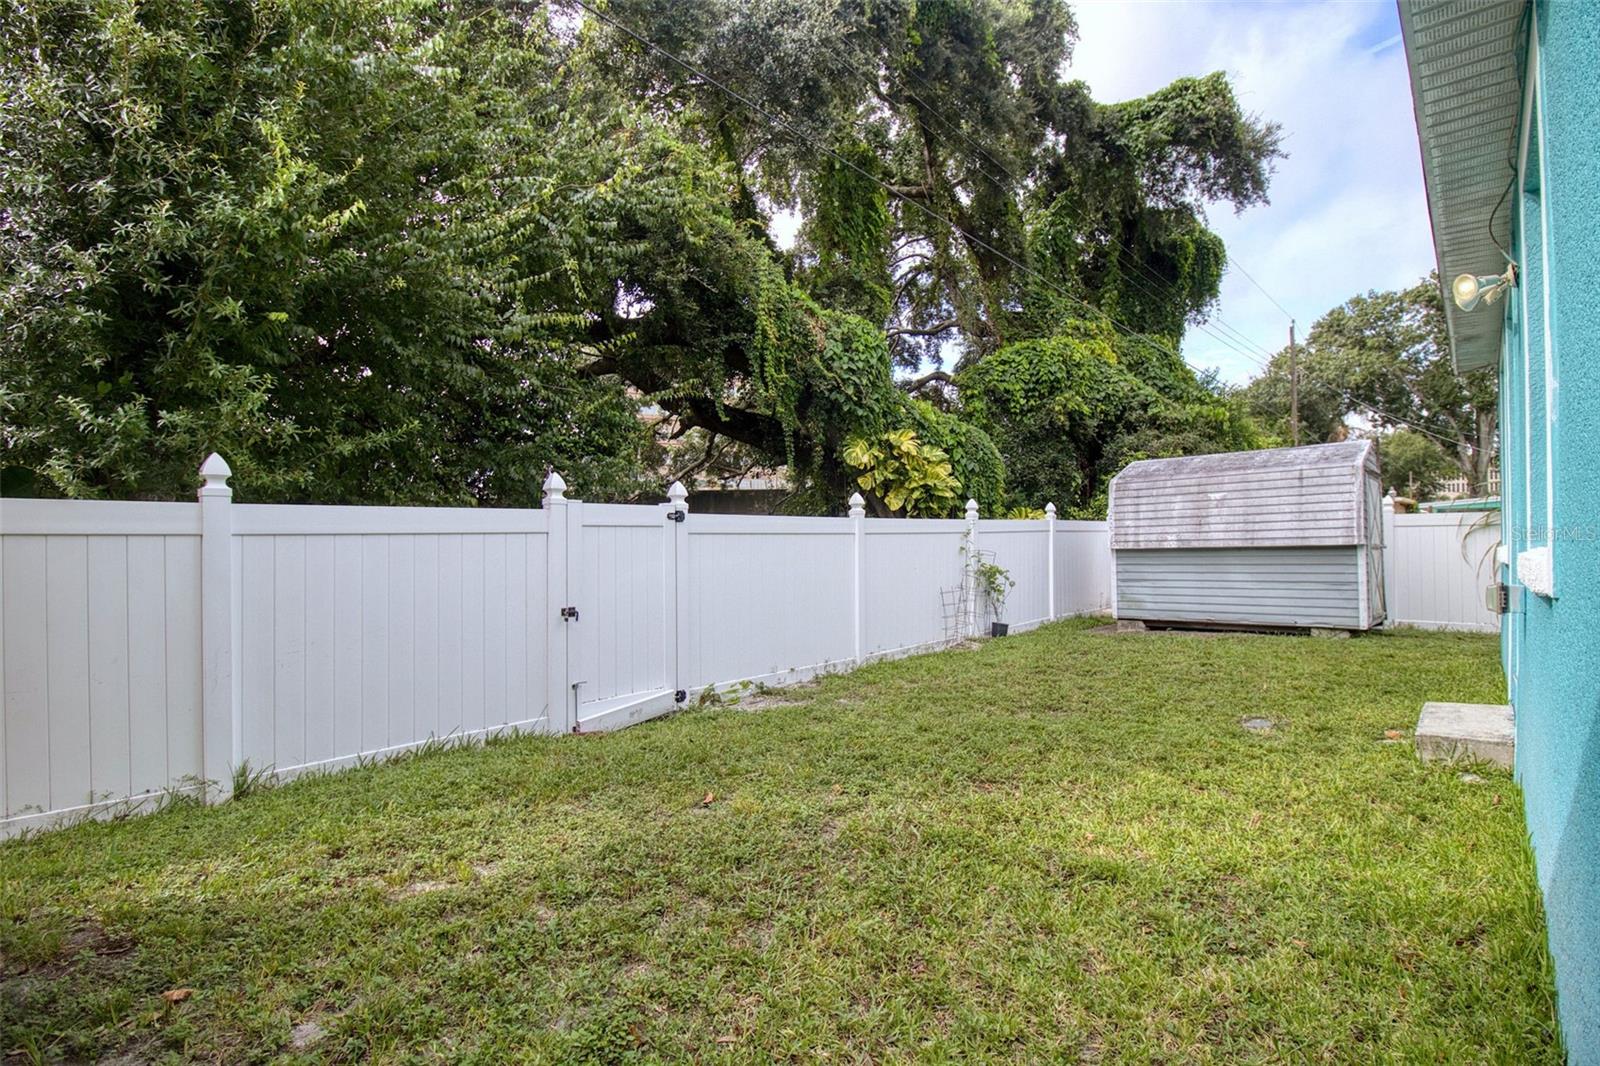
1294	390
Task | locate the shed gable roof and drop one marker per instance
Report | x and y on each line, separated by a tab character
1282	497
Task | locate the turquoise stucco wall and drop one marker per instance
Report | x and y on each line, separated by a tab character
1552	646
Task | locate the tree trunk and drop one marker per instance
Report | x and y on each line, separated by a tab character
1488	422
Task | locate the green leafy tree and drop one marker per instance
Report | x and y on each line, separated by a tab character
1116	214
961	109
1413	465
1323	406
1069	411
1385	357
1390	351
345	243
379	251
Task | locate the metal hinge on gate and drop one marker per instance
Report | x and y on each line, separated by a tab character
569	613
675	516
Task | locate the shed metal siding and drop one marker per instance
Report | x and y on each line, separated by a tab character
1290	586
1276	498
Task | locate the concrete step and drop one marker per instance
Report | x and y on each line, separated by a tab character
1447	732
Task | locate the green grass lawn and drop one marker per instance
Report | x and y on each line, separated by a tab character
1058	846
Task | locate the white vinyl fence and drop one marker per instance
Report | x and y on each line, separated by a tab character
150	647
1438	567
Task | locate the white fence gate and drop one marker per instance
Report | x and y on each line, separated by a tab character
620	614
146	647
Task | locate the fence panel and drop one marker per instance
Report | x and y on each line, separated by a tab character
769	599
1085	568
99	653
1438	566
909	573
1022	548
368	630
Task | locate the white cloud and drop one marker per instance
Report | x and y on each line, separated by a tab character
1347	211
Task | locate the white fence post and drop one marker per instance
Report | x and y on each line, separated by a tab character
972	567
221	732
858	529
677	613
1050	531
1390	613
558	688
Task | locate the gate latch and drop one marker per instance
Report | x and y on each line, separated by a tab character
569	613
674	516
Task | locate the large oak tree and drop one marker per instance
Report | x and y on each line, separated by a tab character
380	251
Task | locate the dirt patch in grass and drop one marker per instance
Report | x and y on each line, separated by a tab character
54	953
422	888
768	699
307	1034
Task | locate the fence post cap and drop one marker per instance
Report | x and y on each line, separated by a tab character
1049	510
214	475
972	508
555	487
678	496
858	505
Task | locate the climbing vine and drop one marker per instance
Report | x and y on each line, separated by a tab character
1068	411
849	231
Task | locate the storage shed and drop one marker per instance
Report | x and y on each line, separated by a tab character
1290	537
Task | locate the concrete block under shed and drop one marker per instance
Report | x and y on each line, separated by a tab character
1450	731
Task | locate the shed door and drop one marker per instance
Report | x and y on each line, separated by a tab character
1377	605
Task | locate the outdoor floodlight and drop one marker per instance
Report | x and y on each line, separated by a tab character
1471	289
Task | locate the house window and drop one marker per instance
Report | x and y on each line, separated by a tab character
1535	563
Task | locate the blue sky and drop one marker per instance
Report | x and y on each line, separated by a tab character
1348	212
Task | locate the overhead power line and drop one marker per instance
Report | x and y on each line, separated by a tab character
1353	401
1240	338
1235	265
1396	418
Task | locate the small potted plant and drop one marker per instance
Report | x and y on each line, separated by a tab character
995	582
